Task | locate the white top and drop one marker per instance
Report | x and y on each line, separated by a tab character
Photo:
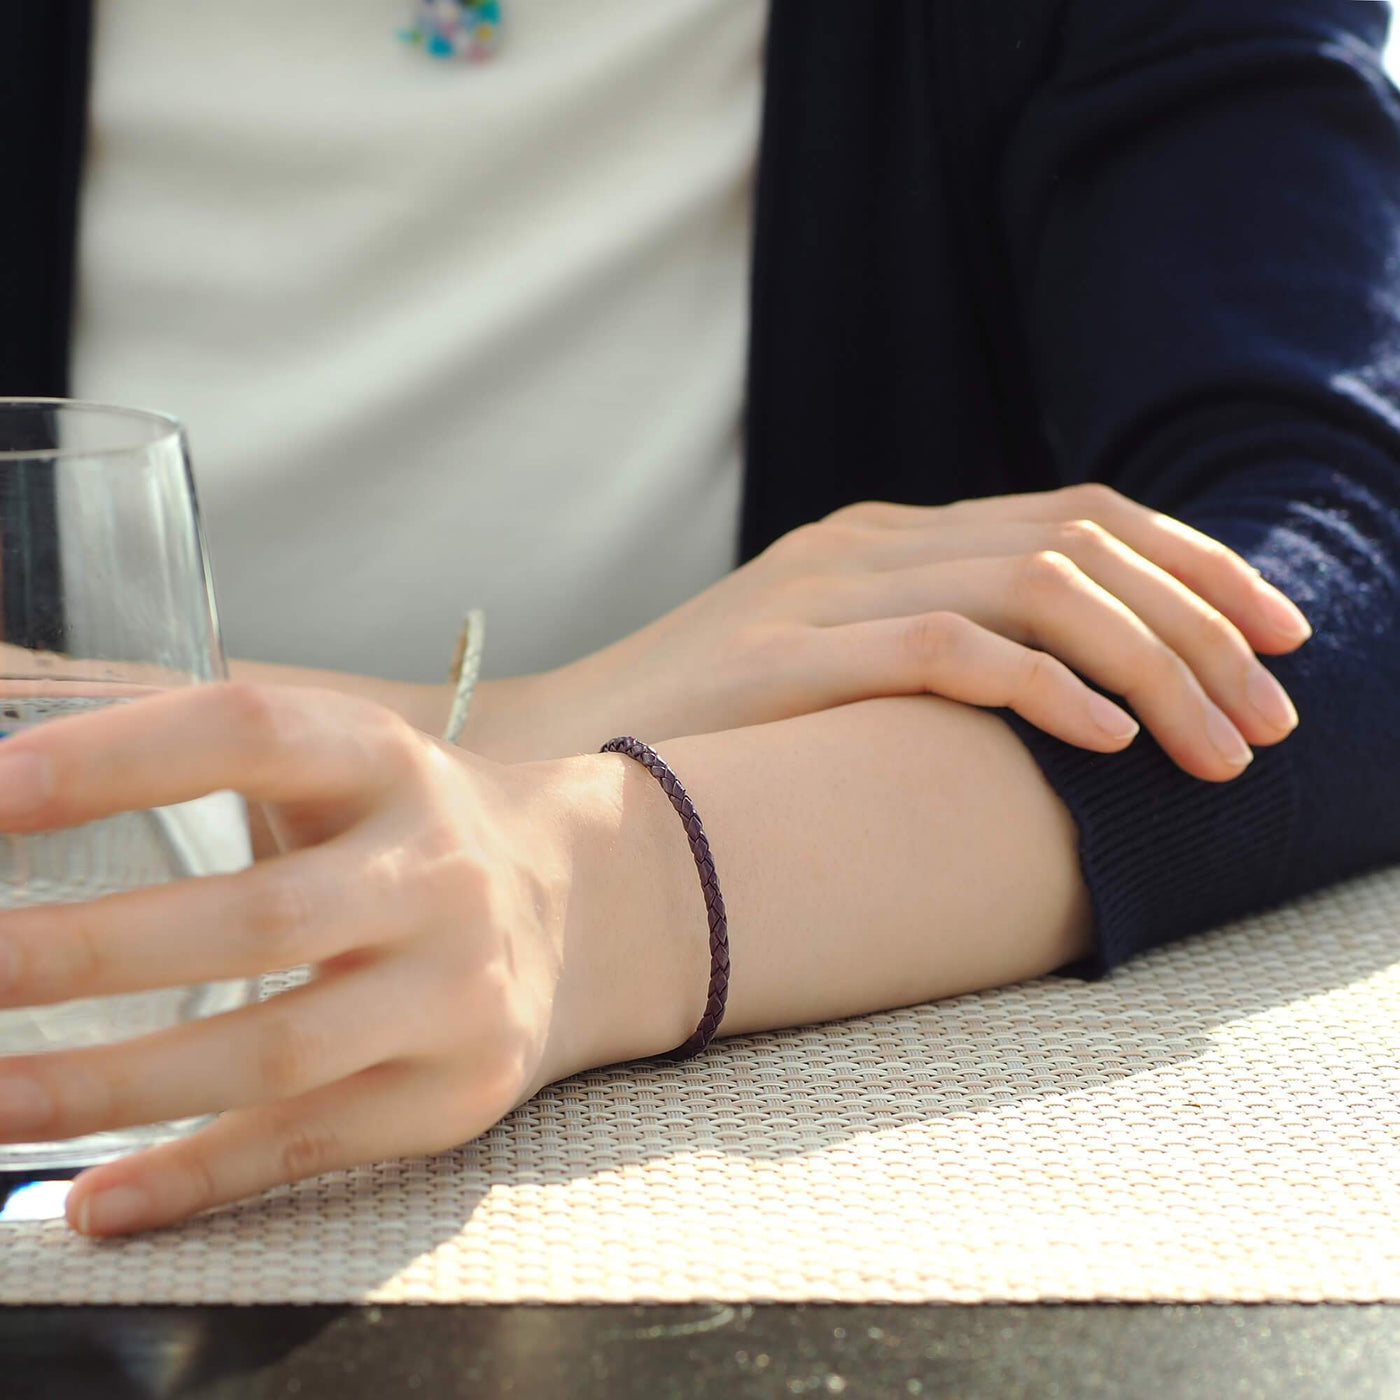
442	334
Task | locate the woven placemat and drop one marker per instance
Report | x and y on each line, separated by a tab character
1219	1120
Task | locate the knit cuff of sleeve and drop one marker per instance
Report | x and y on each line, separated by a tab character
1165	854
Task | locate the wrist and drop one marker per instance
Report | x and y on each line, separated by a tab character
524	719
500	721
509	720
634	939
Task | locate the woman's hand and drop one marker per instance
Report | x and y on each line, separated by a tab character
989	601
429	888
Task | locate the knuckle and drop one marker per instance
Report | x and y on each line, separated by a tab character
196	1186
1161	668
60	1118
856	512
503	1070
500	1090
841	538
444	876
391	727
1080	536
395	738
80	961
84	955
452	1004
1212	631
1091	497
494	993
266	725
286	1057
799	542
308	1147
1222	559
59	953
253	710
1044	571
470	1105
84	1097
280	915
17	978
832	538
936	637
1040	672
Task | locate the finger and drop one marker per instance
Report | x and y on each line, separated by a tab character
272	1050
1269	619
285	912
945	653
272	743
1208	641
1045	601
388	1111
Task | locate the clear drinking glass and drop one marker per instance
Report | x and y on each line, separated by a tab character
105	596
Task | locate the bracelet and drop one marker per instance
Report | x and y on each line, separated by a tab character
466	666
709	886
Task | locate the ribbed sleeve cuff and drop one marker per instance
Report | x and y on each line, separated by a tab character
1165	854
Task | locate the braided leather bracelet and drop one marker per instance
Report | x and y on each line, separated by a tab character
709	885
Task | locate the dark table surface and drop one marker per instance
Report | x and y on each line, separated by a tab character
1204	1352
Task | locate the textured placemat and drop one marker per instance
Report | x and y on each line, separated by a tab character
1218	1120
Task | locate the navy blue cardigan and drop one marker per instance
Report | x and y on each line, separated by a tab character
1004	245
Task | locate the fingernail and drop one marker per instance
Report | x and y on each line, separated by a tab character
1270	699
118	1208
1112	720
26	783
1280	612
23	1105
1229	742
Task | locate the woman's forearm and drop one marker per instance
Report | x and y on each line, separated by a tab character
877	855
497	723
511	719
423	706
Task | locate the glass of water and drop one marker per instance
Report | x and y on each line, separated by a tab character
105	596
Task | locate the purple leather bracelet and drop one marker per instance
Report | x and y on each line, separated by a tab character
709	886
